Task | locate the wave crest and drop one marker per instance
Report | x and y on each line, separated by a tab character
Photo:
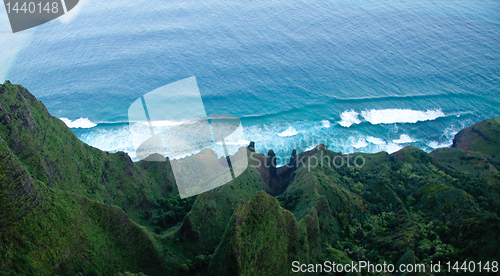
78	123
348	118
404	139
289	132
395	115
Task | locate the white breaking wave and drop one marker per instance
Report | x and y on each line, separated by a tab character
289	132
381	145
392	148
374	144
436	144
325	123
389	116
121	139
78	123
348	118
361	144
404	139
446	138
111	140
375	140
301	136
394	115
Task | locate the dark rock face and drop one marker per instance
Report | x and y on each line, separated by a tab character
251	147
484	132
277	179
293	160
464	138
271	164
481	138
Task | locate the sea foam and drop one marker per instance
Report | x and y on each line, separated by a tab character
78	123
348	118
446	139
404	139
325	123
394	115
360	144
300	135
375	140
289	132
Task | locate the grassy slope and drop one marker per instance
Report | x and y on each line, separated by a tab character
62	201
72	181
244	253
398	208
46	231
55	159
52	154
204	226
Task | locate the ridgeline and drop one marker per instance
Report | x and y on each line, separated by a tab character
67	208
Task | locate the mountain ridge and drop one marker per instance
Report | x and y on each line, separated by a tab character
68	208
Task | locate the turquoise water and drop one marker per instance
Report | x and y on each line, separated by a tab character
297	73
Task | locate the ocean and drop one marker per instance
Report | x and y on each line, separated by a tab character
358	76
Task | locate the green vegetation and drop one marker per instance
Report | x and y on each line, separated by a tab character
70	209
244	253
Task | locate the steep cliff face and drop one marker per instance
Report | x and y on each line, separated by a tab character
68	208
398	208
277	179
481	137
258	231
474	159
18	193
45	231
52	216
52	154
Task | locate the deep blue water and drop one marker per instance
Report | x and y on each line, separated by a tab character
297	73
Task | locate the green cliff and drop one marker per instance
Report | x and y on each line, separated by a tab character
70	209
